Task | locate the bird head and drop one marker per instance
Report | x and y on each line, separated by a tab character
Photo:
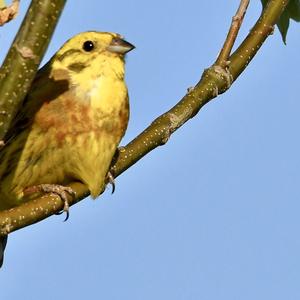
92	53
89	56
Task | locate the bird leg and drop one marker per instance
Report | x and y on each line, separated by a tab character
57	189
110	179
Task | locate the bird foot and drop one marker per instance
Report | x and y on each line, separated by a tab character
57	189
110	179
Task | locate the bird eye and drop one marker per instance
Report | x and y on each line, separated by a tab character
88	46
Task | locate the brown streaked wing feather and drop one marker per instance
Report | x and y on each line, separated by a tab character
46	86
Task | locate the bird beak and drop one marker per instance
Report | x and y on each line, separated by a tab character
120	46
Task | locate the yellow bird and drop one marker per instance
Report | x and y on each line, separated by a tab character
71	122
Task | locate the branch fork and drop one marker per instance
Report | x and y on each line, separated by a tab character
214	81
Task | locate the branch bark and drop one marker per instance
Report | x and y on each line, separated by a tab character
214	81
24	57
236	23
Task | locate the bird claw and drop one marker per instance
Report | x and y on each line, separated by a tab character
110	179
57	189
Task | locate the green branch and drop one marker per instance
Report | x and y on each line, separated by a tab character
258	34
214	81
24	57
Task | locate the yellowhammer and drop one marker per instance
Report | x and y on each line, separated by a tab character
70	124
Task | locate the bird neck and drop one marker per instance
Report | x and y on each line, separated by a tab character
102	85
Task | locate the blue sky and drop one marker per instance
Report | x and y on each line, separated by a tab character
214	214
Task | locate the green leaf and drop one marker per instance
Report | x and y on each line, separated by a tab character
292	11
283	25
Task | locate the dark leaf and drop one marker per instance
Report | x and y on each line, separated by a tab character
292	11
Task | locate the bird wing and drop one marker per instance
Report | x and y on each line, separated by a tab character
46	86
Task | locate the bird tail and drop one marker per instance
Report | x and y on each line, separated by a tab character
3	241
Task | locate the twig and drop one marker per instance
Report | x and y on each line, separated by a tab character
236	23
8	13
